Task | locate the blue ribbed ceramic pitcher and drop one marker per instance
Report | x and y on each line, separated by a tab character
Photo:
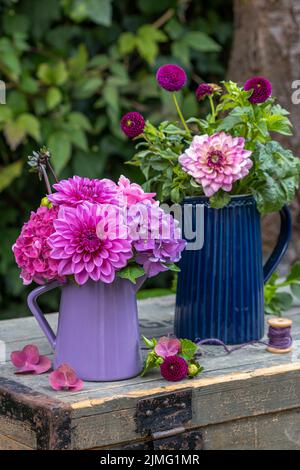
220	287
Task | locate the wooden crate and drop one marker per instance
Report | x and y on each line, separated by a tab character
247	400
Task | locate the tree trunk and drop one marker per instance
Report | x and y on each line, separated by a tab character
267	42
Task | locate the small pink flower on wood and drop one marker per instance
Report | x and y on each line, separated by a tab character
166	347
65	378
29	361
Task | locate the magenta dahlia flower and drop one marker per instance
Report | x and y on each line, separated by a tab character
89	242
132	193
203	90
132	124
156	238
216	161
174	368
262	89
76	190
171	77
32	250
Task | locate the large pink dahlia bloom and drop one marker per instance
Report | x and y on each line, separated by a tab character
84	244
216	161
76	190
32	250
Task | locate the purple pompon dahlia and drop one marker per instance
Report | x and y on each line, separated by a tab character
262	89
77	190
171	77
88	242
216	161
203	90
132	124
174	368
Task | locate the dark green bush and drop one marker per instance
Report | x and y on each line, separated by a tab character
71	68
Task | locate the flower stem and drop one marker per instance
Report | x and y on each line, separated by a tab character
213	109
180	113
46	179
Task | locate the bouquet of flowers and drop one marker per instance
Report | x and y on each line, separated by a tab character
231	151
91	229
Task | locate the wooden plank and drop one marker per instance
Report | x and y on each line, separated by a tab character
233	397
278	431
6	443
18	431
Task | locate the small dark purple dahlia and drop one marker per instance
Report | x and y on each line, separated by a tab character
174	368
204	90
132	124
262	89
171	77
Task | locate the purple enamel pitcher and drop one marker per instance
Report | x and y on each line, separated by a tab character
98	330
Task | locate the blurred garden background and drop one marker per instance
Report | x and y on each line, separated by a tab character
72	68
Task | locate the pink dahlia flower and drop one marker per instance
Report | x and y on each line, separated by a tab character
65	378
76	190
132	193
156	238
166	347
89	242
216	161
32	250
29	360
174	368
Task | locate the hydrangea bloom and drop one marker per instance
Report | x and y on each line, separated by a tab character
30	361
174	368
156	238
216	161
76	190
166	347
171	77
32	250
132	193
65	378
262	89
132	124
89	242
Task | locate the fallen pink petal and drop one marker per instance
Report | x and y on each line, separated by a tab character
166	347
29	361
65	378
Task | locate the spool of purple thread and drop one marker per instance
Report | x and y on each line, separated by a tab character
280	340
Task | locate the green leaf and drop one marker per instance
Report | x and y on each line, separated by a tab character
31	125
79	121
54	74
200	42
60	146
219	200
99	11
150	343
9	173
127	43
295	288
131	272
172	267
14	133
188	349
150	362
53	97
9	58
87	87
294	274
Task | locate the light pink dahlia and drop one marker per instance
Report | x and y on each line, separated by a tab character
76	190
132	193
216	161
88	242
32	250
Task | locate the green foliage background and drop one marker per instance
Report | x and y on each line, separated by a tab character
71	69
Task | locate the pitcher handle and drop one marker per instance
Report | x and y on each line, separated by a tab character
282	243
37	312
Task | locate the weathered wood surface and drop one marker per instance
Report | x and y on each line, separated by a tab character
238	395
